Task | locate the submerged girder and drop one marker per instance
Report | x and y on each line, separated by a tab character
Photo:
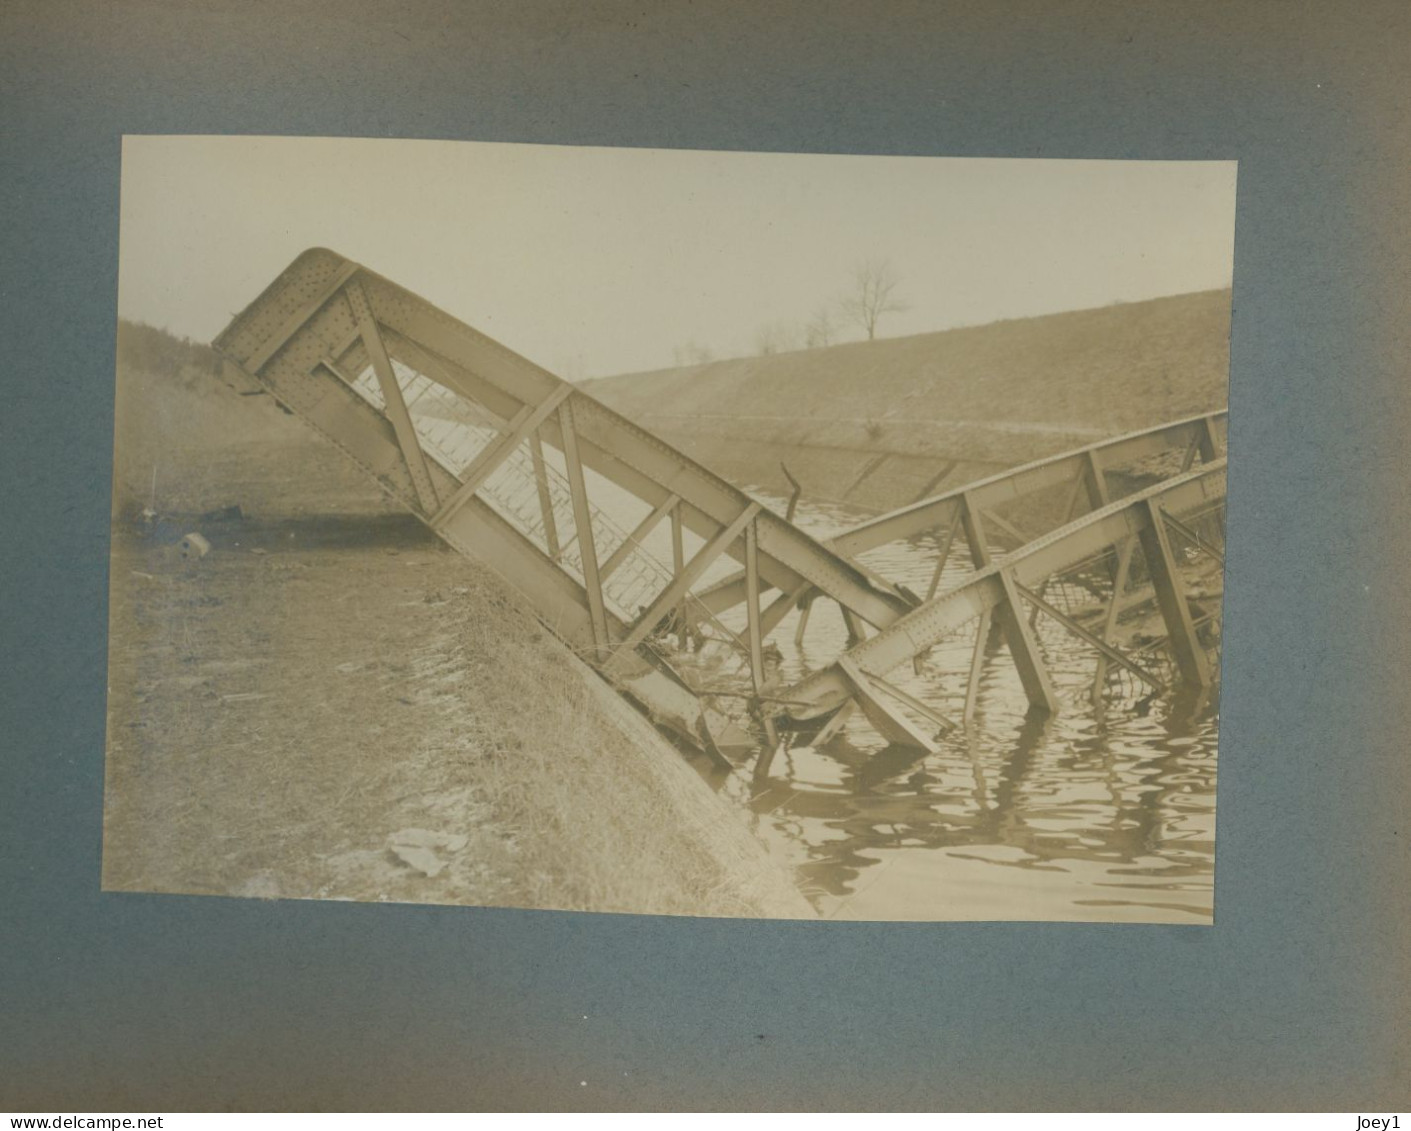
1083	470
999	584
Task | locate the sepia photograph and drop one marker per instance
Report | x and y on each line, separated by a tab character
726	534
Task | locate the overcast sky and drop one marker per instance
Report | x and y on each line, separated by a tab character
600	261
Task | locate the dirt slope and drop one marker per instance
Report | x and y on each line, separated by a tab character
983	398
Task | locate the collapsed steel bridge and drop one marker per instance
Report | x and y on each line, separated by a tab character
640	559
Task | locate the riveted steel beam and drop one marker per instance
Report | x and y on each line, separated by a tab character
546	499
1024	646
583	526
1077	542
396	405
1081	467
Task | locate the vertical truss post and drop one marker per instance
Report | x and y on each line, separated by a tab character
1202	443
977	665
1114	608
780	607
1097	489
1170	596
752	611
944	554
1192	450
857	631
1208	449
1096	482
583	525
1075	492
974	530
803	623
676	590
678	563
1092	480
546	498
392	398
980	557
1009	615
1024	647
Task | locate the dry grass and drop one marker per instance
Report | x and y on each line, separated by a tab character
276	719
1116	368
986	397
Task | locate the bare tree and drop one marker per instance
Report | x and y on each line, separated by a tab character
820	330
871	296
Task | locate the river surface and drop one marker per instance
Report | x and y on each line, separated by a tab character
1102	812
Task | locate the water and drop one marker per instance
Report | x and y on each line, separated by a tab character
1103	812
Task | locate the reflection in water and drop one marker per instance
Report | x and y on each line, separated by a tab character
1105	811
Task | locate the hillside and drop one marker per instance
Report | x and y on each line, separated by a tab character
980	398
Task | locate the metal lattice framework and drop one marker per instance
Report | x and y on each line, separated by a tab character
618	541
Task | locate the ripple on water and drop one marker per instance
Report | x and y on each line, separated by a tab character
1100	813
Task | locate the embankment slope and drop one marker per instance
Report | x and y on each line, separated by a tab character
966	402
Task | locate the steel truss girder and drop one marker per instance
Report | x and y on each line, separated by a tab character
1081	467
988	589
299	365
1017	483
501	381
326	316
486	372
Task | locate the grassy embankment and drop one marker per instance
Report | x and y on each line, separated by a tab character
285	710
877	423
